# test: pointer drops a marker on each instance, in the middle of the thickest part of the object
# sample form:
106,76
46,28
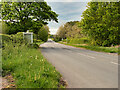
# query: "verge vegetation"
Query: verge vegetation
95,48
27,65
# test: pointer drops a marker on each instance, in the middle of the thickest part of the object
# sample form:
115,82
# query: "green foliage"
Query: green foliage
18,38
34,45
101,22
4,27
77,40
0,26
94,48
28,67
43,33
69,30
102,49
51,36
23,16
57,38
4,38
37,41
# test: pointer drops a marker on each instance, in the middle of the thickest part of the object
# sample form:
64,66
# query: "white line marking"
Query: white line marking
86,55
114,63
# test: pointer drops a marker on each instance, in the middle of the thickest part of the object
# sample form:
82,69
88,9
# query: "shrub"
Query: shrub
35,40
18,38
43,33
57,38
4,38
33,45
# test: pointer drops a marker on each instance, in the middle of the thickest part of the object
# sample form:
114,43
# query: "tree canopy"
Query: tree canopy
101,22
43,33
23,16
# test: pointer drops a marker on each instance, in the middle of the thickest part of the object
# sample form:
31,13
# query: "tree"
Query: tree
100,23
43,33
69,30
23,16
61,32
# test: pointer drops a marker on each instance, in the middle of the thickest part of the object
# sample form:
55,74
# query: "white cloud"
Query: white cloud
68,11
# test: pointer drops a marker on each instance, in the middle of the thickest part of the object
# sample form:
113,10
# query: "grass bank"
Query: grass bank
94,48
28,67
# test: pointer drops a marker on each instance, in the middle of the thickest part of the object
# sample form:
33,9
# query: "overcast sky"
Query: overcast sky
68,11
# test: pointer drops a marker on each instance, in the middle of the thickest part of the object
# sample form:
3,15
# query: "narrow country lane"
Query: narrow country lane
82,68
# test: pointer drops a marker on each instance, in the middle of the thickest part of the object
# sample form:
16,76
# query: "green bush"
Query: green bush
4,38
64,40
43,33
33,45
18,38
57,39
36,41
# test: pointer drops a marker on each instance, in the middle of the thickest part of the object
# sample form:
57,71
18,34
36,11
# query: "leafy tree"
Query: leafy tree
61,32
69,30
23,16
100,23
43,33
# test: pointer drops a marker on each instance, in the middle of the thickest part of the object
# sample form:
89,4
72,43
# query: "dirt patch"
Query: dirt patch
8,82
63,83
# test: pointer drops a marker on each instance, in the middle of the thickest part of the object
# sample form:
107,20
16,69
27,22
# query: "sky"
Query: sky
67,11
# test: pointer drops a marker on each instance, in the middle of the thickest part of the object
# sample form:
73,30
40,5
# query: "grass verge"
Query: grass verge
28,67
39,43
95,48
119,50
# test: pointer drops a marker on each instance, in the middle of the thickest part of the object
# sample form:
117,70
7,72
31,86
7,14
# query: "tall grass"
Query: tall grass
28,67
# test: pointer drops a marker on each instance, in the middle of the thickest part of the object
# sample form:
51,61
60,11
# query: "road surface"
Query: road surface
82,68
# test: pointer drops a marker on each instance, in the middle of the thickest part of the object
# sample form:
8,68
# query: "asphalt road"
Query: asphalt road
82,68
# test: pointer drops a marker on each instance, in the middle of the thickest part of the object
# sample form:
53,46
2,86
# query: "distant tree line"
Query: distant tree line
69,30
